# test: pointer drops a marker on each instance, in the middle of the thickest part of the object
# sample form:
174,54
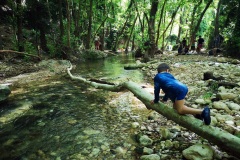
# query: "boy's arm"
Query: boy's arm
156,92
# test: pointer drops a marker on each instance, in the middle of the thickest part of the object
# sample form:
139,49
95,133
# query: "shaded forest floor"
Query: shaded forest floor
12,69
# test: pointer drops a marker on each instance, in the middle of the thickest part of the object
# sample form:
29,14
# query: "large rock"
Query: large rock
145,140
220,106
93,54
223,118
198,152
224,96
4,92
233,106
150,157
55,66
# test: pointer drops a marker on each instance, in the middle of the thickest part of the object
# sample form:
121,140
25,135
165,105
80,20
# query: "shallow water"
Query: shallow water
68,120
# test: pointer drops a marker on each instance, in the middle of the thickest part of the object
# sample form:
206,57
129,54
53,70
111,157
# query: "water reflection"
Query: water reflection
69,120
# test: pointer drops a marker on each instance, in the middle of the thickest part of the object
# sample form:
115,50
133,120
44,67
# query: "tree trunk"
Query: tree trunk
151,28
43,40
88,42
173,16
49,13
193,38
60,20
160,21
120,33
223,139
139,17
133,42
19,26
68,24
99,28
216,29
212,43
200,18
133,26
179,30
102,38
169,34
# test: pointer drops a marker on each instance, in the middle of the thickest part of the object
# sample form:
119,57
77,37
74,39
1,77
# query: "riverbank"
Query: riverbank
167,139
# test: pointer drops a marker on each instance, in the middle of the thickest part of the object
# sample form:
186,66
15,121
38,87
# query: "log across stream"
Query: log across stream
217,136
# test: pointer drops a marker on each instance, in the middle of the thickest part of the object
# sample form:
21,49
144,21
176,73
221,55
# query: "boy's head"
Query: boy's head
163,67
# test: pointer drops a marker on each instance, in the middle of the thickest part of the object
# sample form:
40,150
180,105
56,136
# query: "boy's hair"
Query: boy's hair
163,67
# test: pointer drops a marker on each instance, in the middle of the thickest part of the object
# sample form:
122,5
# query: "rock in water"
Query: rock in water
198,152
4,92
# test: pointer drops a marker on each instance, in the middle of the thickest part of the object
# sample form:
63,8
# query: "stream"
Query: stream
64,119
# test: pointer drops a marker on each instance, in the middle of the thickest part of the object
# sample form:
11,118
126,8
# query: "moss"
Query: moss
94,54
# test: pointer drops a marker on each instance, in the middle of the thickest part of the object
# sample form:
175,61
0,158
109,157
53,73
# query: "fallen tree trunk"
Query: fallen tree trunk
11,51
221,138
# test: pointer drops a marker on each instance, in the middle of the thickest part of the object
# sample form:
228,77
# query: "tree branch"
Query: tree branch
23,53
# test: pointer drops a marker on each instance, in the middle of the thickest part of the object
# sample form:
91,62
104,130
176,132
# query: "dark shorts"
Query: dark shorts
180,95
200,46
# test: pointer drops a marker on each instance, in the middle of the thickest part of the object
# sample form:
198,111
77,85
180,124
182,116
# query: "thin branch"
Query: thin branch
23,53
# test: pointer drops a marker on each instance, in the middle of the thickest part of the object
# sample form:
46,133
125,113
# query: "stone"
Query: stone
150,157
95,151
4,92
200,101
222,89
222,60
220,106
91,131
223,118
238,122
237,132
224,96
168,144
120,151
145,140
135,125
176,144
229,122
233,106
165,133
198,152
213,121
147,150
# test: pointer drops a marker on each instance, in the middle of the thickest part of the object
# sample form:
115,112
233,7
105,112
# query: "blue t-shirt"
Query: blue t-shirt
172,88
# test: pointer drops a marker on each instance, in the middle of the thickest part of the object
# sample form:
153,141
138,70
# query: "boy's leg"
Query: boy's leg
201,114
182,109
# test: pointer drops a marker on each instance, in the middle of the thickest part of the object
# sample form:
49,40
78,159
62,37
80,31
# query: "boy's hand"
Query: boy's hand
152,101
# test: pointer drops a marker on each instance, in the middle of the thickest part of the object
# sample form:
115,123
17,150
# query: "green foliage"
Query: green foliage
212,89
207,95
214,86
172,39
53,49
43,16
30,48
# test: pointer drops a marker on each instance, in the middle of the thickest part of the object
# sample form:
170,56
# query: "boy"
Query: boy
176,91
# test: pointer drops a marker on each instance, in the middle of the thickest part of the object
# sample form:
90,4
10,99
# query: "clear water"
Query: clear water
69,120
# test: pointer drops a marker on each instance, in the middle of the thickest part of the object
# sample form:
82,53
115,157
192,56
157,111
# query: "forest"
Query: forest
59,28
48,114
